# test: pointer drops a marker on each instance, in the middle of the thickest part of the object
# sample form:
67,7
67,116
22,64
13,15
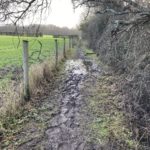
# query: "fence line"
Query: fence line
26,63
28,53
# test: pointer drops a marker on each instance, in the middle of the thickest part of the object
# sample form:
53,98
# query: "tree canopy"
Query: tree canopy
139,10
15,10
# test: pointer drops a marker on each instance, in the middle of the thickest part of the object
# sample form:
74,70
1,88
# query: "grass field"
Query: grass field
11,73
11,54
11,49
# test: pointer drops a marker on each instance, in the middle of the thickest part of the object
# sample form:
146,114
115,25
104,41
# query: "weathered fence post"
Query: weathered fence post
64,47
69,43
56,45
72,39
26,71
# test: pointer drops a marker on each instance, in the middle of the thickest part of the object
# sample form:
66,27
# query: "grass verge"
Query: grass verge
109,126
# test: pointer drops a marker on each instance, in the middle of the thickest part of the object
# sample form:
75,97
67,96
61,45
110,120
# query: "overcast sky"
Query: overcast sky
62,14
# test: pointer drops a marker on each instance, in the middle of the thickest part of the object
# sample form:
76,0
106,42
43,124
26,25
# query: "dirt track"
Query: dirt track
66,128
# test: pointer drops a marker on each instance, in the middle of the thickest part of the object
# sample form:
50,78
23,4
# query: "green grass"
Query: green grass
11,52
11,49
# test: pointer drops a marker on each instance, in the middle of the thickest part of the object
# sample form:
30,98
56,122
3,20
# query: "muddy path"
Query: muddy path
66,129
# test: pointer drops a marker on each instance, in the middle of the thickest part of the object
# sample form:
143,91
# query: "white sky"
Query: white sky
62,14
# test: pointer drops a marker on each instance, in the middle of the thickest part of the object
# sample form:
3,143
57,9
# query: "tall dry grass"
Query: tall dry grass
40,73
12,96
11,101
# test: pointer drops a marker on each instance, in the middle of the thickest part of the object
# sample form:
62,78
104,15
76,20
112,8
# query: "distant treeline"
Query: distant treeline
36,30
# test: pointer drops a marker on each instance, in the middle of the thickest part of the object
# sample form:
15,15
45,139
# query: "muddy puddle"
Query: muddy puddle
65,133
76,67
66,129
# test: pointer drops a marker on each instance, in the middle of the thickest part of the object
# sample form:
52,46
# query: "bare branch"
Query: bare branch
112,11
15,10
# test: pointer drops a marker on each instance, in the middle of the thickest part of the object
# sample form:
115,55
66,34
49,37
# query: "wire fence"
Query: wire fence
40,49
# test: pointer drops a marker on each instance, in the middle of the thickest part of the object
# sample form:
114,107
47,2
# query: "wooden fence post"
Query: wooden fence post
64,47
26,71
56,45
72,43
69,43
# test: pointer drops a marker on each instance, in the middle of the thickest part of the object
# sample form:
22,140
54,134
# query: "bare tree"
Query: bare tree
15,10
140,9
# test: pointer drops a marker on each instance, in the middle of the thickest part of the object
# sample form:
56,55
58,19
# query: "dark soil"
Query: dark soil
14,71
